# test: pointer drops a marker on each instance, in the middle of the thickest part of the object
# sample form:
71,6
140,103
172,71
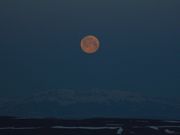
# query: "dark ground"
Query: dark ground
95,126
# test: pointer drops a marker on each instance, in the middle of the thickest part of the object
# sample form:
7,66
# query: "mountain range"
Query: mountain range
68,103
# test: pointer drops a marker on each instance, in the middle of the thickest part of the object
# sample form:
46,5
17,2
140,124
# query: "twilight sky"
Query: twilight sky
40,46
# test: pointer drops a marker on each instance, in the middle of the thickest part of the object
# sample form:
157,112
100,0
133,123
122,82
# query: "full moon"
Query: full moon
90,44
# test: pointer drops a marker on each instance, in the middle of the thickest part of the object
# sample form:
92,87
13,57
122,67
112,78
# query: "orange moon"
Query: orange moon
90,44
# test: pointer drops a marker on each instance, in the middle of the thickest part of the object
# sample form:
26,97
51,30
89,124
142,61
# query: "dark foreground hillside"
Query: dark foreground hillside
96,126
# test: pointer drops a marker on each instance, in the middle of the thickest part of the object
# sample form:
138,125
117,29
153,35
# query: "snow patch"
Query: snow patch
85,127
169,131
120,130
153,127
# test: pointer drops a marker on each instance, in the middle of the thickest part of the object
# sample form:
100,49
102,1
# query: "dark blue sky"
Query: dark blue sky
140,46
